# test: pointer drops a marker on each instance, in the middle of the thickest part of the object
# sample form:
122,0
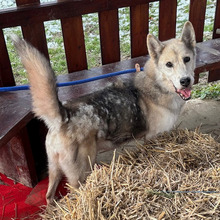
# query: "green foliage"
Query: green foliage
154,18
208,91
57,57
92,40
124,28
19,72
56,47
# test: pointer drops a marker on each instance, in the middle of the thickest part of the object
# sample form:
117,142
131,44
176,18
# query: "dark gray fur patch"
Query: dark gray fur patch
119,109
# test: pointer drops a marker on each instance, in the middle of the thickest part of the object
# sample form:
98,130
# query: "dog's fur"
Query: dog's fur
145,106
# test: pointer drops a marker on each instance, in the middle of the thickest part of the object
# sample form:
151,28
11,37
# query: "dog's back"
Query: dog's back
120,112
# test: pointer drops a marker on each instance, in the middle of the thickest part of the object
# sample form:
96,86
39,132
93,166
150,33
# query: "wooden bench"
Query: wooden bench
22,151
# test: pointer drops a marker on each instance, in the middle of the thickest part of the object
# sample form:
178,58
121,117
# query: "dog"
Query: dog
143,107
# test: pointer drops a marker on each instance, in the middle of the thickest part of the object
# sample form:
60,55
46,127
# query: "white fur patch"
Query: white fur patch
83,123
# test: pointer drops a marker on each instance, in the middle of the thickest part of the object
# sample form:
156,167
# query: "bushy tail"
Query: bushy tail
42,83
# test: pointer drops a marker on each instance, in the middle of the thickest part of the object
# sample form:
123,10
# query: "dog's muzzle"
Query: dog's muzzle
185,92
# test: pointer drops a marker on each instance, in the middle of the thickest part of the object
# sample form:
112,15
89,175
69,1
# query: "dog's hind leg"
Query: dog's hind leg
78,167
55,176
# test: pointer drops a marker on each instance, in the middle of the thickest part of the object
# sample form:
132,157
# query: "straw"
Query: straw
174,176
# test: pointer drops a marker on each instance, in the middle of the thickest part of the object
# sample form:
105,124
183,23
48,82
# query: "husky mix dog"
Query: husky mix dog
147,105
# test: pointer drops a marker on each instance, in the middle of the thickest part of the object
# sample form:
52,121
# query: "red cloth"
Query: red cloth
18,201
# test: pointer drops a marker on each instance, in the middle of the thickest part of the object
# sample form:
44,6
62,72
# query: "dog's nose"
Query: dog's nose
185,81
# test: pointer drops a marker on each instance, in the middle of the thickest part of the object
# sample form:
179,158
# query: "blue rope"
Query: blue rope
77,82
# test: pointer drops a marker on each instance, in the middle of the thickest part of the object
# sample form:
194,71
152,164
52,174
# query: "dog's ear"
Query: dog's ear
155,47
188,35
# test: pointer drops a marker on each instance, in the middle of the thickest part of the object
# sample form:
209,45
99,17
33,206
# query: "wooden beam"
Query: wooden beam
35,13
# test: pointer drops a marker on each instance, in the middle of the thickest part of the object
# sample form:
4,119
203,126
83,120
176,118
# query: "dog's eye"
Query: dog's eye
169,64
186,59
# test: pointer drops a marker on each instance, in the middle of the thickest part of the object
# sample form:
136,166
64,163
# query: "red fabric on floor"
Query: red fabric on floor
18,201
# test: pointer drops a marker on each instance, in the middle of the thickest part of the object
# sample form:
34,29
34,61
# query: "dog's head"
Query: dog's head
175,61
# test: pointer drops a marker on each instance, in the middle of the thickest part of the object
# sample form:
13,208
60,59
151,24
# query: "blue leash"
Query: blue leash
77,82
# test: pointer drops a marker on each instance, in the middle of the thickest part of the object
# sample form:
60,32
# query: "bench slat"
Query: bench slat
208,53
139,16
6,74
197,17
74,43
214,74
109,36
167,19
26,2
15,112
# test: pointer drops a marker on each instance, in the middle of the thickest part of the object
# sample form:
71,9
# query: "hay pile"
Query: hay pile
175,176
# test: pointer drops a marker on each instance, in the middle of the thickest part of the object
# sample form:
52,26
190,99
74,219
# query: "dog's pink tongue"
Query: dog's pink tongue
185,92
